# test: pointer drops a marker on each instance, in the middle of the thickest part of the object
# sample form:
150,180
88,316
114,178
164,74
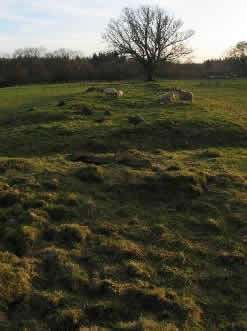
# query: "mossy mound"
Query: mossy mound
120,249
183,182
173,184
18,164
58,266
91,174
72,233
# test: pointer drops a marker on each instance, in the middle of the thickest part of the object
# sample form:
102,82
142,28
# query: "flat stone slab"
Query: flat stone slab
136,163
93,159
110,159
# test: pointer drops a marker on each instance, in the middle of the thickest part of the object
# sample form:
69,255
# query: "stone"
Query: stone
107,113
136,163
12,222
87,111
93,159
61,103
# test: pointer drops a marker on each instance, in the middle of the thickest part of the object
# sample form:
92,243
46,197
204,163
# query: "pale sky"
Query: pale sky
78,24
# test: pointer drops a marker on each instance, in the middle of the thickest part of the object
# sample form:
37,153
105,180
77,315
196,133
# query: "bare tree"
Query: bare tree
148,34
66,53
29,52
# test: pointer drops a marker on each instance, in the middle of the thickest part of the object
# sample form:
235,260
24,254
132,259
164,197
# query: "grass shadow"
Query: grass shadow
162,134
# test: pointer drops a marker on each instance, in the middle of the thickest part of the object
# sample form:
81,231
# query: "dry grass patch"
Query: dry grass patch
15,281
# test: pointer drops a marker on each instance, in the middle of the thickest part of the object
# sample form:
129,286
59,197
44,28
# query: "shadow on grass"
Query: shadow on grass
34,117
164,134
143,103
177,135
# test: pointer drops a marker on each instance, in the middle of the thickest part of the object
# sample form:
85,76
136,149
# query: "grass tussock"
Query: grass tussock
15,281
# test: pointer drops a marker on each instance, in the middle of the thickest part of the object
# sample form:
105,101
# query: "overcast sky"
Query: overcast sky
78,24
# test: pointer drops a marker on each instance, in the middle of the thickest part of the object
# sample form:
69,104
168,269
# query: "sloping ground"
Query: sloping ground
104,226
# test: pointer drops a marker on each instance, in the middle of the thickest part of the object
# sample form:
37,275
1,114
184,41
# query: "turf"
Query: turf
108,226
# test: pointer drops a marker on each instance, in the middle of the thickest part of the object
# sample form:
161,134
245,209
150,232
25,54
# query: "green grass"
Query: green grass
104,226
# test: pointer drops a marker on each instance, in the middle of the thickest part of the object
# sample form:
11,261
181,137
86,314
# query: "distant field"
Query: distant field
108,226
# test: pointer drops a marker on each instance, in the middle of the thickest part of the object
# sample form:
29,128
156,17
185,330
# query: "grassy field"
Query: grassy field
106,226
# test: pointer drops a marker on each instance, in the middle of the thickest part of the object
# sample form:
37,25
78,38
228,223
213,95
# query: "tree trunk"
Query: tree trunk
149,76
149,71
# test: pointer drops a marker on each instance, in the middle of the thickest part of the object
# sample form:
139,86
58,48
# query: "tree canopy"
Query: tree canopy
238,55
239,50
149,35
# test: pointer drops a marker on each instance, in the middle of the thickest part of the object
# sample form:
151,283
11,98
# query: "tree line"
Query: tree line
28,66
33,65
